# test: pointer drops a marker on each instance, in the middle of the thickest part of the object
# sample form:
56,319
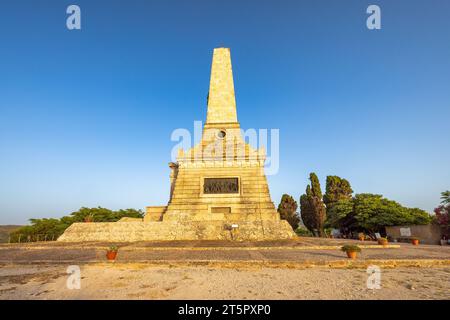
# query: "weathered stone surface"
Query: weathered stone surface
221,98
154,213
177,230
128,219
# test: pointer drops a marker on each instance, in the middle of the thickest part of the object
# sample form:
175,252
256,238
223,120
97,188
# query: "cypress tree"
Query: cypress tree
336,189
287,209
312,208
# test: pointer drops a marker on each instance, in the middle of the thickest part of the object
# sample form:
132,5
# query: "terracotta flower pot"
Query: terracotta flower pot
111,255
351,254
415,242
382,242
361,238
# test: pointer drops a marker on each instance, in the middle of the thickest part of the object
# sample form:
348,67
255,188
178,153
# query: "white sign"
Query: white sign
405,232
377,235
374,278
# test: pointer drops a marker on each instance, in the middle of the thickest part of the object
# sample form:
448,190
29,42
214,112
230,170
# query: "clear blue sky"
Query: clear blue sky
86,116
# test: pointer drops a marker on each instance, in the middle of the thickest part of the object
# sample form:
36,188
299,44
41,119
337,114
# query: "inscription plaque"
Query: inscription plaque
220,185
220,210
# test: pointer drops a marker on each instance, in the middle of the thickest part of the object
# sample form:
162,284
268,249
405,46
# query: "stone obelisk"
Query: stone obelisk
221,98
218,189
211,183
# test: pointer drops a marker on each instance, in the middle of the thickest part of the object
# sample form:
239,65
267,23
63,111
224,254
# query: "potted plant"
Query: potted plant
112,253
415,241
383,241
351,250
444,240
361,236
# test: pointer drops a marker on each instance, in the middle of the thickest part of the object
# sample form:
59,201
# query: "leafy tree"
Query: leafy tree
442,212
338,214
40,229
103,215
372,213
417,216
442,215
312,208
338,201
287,209
336,189
445,197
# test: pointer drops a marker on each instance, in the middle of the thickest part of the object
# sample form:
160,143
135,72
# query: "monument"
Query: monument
218,189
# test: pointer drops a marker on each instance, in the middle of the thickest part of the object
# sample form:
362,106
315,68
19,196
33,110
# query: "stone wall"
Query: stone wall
129,219
177,230
427,234
154,213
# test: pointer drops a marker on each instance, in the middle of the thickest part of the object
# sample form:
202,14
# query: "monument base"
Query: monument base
174,230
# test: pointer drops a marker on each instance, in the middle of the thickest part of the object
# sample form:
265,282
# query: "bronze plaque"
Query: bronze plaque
220,185
220,209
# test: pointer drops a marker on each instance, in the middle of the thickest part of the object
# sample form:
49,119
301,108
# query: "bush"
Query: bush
351,248
303,232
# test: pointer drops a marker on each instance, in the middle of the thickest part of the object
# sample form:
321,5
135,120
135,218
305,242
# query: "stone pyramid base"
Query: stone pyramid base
174,230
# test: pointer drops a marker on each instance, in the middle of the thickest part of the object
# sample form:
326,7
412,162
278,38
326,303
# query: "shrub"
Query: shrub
351,248
303,232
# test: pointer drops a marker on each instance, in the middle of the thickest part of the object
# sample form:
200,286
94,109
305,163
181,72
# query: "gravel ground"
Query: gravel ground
140,281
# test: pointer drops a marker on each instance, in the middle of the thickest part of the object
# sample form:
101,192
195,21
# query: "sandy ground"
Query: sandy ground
141,281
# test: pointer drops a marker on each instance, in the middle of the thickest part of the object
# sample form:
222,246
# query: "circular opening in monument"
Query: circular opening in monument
221,134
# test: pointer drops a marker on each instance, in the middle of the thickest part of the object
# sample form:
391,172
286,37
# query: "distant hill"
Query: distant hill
5,230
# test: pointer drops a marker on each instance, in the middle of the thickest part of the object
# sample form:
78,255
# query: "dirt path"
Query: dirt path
137,281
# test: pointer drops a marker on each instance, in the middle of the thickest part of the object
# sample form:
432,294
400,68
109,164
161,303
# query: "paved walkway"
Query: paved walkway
302,251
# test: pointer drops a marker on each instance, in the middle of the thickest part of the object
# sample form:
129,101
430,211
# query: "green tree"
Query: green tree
418,216
336,189
312,207
100,214
445,197
338,201
442,212
40,229
306,210
338,214
287,209
372,213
